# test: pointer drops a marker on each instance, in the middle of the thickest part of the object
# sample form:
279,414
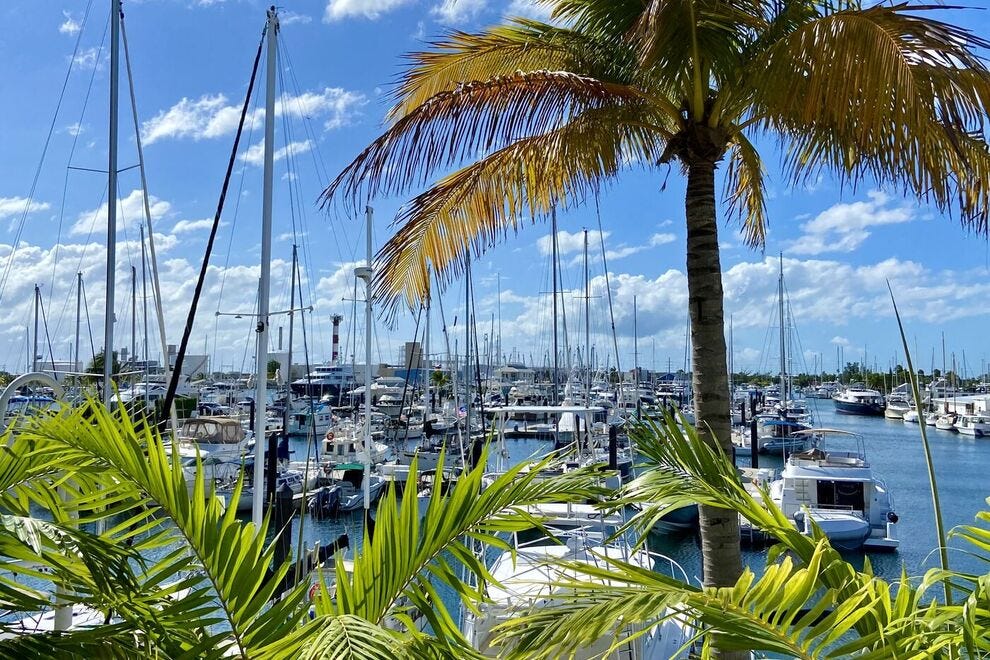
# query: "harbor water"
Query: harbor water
895,452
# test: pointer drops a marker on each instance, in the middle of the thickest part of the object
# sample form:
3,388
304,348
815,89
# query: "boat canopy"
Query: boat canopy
212,430
826,432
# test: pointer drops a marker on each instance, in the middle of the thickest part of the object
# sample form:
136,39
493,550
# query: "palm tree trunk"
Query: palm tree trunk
719,528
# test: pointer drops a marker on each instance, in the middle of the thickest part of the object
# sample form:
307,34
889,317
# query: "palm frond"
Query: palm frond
522,45
882,92
744,181
231,582
487,200
394,576
477,117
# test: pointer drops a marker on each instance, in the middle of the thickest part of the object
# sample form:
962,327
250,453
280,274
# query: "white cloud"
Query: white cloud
453,12
69,25
370,9
255,155
845,226
14,206
186,226
86,58
291,17
662,239
534,9
839,341
568,242
211,116
75,129
130,213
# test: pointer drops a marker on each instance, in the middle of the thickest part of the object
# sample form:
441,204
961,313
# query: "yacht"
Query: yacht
910,416
326,380
222,437
947,422
975,424
857,399
838,491
345,445
528,575
898,403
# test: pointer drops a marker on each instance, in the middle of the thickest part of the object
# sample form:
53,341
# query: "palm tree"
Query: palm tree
884,93
181,576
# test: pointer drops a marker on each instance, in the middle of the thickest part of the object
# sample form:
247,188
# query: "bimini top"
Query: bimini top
212,430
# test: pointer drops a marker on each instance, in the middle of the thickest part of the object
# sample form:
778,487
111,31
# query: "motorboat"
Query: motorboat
295,480
529,574
931,418
325,380
910,416
975,424
897,405
222,437
839,492
346,446
947,422
857,399
352,489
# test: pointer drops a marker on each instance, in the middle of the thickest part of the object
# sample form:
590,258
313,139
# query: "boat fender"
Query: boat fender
329,435
313,590
892,517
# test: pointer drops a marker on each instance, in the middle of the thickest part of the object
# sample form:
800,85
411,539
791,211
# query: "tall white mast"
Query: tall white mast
261,363
783,363
365,273
587,325
111,203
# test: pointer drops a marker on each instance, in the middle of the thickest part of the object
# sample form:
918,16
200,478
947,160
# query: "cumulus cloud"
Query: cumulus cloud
453,12
844,227
212,116
568,242
14,206
255,155
130,213
69,25
187,226
371,9
662,239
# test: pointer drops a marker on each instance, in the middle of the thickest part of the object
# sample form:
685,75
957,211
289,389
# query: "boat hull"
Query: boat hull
855,408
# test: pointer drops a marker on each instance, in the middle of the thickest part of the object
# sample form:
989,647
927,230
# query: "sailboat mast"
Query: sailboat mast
635,348
111,202
425,354
467,345
133,315
587,324
288,360
780,305
34,353
553,268
366,274
75,351
261,361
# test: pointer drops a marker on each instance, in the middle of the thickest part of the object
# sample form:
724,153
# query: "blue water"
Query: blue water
895,452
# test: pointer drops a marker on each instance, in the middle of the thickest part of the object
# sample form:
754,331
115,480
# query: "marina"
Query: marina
287,374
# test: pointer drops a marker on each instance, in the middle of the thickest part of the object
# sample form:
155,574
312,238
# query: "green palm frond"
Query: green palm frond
476,117
487,200
395,575
226,564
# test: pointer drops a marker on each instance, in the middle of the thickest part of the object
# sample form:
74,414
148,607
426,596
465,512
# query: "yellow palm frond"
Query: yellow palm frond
474,118
744,181
520,46
483,202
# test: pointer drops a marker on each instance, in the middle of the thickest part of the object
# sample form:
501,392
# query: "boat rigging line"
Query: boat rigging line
190,318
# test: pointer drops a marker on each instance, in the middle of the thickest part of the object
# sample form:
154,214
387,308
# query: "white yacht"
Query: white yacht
910,416
528,576
222,437
838,491
325,380
947,422
345,445
975,424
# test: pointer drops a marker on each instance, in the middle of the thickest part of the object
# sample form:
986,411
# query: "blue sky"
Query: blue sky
191,64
